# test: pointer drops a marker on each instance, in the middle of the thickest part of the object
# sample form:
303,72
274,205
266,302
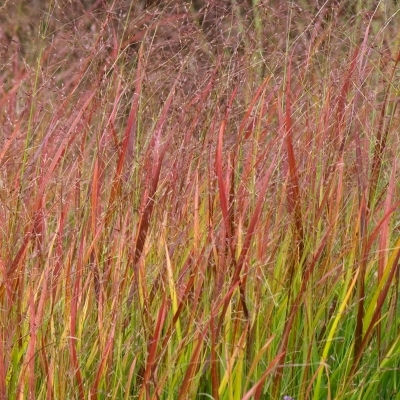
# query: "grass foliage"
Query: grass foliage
199,200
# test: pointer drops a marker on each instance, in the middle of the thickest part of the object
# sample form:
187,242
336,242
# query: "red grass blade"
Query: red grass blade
256,390
148,196
222,186
294,190
106,352
246,245
192,368
153,344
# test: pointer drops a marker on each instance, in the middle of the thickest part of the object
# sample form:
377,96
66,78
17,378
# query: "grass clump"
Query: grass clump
199,200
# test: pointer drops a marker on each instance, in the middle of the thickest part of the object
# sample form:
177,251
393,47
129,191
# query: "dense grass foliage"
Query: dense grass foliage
199,200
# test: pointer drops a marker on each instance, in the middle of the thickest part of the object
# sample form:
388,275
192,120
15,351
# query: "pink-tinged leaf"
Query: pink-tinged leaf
294,189
341,105
222,187
378,227
95,195
260,90
127,146
221,184
156,163
10,140
68,138
21,252
381,139
255,217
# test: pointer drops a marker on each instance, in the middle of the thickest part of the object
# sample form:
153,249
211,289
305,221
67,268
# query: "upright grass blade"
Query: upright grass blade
383,249
193,367
222,186
148,198
346,296
154,247
3,370
381,139
127,145
152,351
294,310
73,323
236,278
256,390
294,200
